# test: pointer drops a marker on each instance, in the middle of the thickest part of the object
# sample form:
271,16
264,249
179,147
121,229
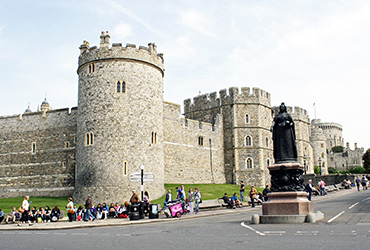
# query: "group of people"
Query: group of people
255,197
361,182
27,215
188,199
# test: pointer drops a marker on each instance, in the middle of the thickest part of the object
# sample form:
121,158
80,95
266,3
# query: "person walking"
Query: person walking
322,185
70,210
168,198
88,207
242,189
197,198
190,201
265,193
24,210
358,183
309,189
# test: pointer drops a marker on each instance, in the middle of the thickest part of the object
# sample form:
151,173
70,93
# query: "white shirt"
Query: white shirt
25,205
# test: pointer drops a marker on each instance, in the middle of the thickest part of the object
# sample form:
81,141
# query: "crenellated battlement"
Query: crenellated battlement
229,96
117,51
55,115
297,113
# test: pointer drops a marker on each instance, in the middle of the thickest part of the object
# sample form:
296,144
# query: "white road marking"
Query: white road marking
60,233
254,230
79,234
42,233
335,217
354,205
8,232
274,232
368,198
307,233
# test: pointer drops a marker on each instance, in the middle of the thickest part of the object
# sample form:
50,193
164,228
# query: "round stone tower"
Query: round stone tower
120,121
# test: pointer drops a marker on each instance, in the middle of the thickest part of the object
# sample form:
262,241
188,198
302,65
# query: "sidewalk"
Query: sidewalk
162,218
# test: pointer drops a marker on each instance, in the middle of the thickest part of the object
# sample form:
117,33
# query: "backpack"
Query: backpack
307,187
363,181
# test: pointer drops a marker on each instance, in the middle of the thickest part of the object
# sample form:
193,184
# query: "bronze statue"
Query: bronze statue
286,173
283,135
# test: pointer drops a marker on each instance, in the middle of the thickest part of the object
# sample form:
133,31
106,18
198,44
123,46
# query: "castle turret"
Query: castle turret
120,121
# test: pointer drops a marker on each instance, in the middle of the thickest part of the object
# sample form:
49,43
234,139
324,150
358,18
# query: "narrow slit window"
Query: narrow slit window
118,87
125,170
200,140
33,147
123,87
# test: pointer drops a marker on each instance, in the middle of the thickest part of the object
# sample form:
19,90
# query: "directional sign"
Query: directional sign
136,177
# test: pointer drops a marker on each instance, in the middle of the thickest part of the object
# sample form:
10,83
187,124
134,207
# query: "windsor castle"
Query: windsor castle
123,125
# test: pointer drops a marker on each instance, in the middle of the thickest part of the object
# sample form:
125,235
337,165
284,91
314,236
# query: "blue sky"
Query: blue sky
300,51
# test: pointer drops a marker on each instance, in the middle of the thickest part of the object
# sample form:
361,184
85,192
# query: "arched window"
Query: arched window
248,140
118,87
200,140
247,118
123,87
89,139
154,137
249,163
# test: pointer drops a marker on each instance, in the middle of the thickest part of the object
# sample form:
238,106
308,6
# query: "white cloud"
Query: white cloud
121,31
197,21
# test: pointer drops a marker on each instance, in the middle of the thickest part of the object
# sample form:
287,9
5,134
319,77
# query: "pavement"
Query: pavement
64,224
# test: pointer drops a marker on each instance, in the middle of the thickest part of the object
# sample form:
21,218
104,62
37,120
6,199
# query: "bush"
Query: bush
316,169
344,172
357,170
332,170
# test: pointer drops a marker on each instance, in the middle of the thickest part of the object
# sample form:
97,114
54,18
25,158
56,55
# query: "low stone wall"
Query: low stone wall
329,179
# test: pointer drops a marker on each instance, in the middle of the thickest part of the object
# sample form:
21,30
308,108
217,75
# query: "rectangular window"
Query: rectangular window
66,144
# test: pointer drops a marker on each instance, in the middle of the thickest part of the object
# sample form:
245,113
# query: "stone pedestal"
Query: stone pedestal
287,203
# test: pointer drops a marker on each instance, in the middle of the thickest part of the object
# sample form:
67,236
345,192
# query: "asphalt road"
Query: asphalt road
346,226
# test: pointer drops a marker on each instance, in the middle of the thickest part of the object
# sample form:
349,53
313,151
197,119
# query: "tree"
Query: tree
357,170
366,160
337,149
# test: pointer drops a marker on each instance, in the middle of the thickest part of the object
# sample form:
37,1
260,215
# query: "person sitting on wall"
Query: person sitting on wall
112,211
259,197
55,213
41,214
227,200
33,214
13,215
105,210
47,214
2,215
235,200
253,195
121,212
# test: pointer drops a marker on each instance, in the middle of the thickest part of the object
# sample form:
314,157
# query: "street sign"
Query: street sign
136,177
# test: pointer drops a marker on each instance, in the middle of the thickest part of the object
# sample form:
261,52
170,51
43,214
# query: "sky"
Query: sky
300,51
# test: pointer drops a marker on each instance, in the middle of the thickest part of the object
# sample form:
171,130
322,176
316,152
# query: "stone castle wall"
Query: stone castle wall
123,121
37,154
235,105
187,160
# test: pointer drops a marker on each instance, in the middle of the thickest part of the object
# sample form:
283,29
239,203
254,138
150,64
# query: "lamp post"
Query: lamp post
142,181
320,165
304,163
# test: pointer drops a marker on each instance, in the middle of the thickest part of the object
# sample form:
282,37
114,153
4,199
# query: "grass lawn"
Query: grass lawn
7,204
207,191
